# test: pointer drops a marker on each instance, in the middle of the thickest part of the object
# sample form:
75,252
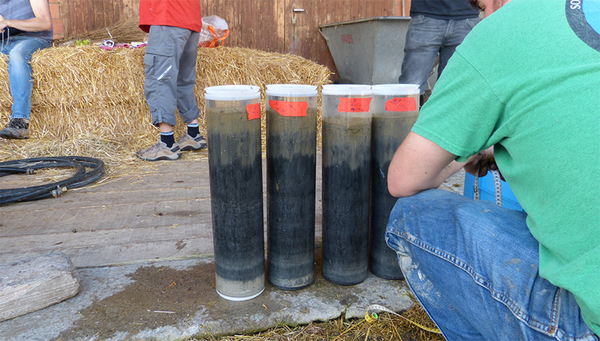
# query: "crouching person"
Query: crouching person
521,94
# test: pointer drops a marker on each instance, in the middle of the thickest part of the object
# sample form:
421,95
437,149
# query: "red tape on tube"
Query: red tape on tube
289,109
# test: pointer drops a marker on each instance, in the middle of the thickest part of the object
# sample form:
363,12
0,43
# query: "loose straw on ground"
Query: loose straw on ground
414,325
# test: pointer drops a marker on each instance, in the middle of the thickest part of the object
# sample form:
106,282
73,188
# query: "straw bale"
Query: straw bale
89,102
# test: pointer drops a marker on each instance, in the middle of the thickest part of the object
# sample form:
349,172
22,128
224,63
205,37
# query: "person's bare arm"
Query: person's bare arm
488,6
41,22
421,164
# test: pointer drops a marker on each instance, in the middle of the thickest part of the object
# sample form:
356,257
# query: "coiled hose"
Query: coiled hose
88,170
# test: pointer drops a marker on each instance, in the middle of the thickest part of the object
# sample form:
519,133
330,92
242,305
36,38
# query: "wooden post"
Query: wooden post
401,8
397,8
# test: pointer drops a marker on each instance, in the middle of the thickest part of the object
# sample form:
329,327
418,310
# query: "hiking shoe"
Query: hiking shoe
18,128
186,142
160,151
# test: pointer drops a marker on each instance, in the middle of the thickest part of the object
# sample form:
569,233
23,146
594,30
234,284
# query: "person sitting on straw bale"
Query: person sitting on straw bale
520,95
170,66
26,27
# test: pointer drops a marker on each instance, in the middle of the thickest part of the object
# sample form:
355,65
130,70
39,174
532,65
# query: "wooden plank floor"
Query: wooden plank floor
157,212
160,211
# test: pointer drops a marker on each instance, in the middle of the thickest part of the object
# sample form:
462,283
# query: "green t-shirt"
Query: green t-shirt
527,81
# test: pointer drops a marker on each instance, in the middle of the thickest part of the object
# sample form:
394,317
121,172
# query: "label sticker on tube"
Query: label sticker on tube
253,111
401,104
354,104
289,109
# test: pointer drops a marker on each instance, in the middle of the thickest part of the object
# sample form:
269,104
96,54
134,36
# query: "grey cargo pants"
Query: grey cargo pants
170,66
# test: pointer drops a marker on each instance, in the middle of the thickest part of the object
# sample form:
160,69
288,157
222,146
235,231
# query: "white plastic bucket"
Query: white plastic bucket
395,89
347,89
291,90
231,92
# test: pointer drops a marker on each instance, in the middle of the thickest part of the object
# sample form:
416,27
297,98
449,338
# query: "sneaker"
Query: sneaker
186,142
160,151
18,128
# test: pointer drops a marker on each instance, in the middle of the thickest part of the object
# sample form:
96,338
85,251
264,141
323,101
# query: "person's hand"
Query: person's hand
482,162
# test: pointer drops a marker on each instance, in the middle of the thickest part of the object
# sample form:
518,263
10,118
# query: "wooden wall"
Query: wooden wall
267,24
259,24
81,16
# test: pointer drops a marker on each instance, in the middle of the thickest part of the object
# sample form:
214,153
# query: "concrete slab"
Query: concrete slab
176,299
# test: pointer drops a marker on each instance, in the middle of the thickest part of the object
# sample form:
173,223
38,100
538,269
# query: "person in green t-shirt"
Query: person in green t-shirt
521,94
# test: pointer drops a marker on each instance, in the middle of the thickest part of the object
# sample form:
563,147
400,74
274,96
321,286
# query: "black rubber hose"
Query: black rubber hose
88,170
9,171
39,192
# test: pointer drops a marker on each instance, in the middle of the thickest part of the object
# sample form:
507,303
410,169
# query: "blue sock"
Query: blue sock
168,138
193,129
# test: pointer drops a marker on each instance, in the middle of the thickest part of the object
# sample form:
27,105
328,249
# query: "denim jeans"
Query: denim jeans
170,67
473,266
19,50
426,38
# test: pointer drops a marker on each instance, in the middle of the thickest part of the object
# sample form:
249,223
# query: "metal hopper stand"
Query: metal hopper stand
369,51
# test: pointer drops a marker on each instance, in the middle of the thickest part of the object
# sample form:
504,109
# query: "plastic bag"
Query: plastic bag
214,31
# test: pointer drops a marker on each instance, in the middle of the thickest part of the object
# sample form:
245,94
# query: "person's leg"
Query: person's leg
19,51
423,41
20,73
163,52
186,80
457,31
186,98
473,265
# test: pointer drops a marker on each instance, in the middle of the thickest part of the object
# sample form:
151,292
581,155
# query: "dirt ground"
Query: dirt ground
163,296
160,296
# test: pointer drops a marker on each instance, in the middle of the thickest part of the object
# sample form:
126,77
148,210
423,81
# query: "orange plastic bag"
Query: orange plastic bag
214,31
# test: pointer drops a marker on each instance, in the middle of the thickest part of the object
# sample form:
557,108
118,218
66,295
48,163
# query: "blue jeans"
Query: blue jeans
170,67
19,50
473,266
426,38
